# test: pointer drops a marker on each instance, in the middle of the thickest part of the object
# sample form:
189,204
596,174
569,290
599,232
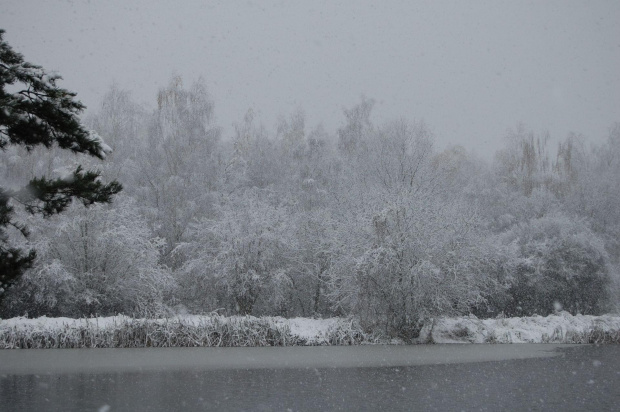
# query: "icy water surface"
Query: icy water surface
436,377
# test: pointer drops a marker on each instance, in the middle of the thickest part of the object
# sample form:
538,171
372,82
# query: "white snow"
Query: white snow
95,137
65,173
559,328
315,331
45,323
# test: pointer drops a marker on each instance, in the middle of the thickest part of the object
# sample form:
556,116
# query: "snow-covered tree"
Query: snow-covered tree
100,260
316,240
34,112
124,124
178,169
409,241
246,252
421,259
358,124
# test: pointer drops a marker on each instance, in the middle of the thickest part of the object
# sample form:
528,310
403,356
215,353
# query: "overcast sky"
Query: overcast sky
469,69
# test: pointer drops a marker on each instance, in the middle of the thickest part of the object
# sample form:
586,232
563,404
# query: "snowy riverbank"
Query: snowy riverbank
559,328
191,330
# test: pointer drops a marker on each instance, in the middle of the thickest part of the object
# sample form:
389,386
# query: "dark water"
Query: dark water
350,378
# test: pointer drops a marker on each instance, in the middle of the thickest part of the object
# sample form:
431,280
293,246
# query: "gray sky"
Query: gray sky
469,69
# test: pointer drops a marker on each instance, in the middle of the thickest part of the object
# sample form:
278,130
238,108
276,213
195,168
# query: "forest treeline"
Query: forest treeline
370,221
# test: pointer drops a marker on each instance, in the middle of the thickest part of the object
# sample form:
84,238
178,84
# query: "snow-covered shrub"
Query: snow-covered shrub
245,253
559,328
421,260
559,264
100,260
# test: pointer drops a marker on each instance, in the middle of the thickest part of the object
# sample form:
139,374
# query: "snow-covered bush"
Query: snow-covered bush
245,254
100,260
412,266
559,263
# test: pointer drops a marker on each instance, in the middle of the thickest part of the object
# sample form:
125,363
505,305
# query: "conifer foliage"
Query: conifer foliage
34,111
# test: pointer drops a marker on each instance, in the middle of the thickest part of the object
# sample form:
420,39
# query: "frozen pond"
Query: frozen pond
434,377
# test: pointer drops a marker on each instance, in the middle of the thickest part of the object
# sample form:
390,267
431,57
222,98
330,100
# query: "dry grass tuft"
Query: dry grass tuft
142,333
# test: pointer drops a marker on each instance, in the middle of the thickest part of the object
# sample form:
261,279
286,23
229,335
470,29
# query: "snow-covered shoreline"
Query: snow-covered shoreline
558,328
182,331
198,330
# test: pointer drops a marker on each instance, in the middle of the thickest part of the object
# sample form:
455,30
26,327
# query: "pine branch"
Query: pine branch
51,196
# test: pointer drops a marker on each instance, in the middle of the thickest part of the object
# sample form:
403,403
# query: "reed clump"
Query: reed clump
142,333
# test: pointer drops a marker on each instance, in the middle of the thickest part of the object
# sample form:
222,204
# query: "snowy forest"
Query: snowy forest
370,220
